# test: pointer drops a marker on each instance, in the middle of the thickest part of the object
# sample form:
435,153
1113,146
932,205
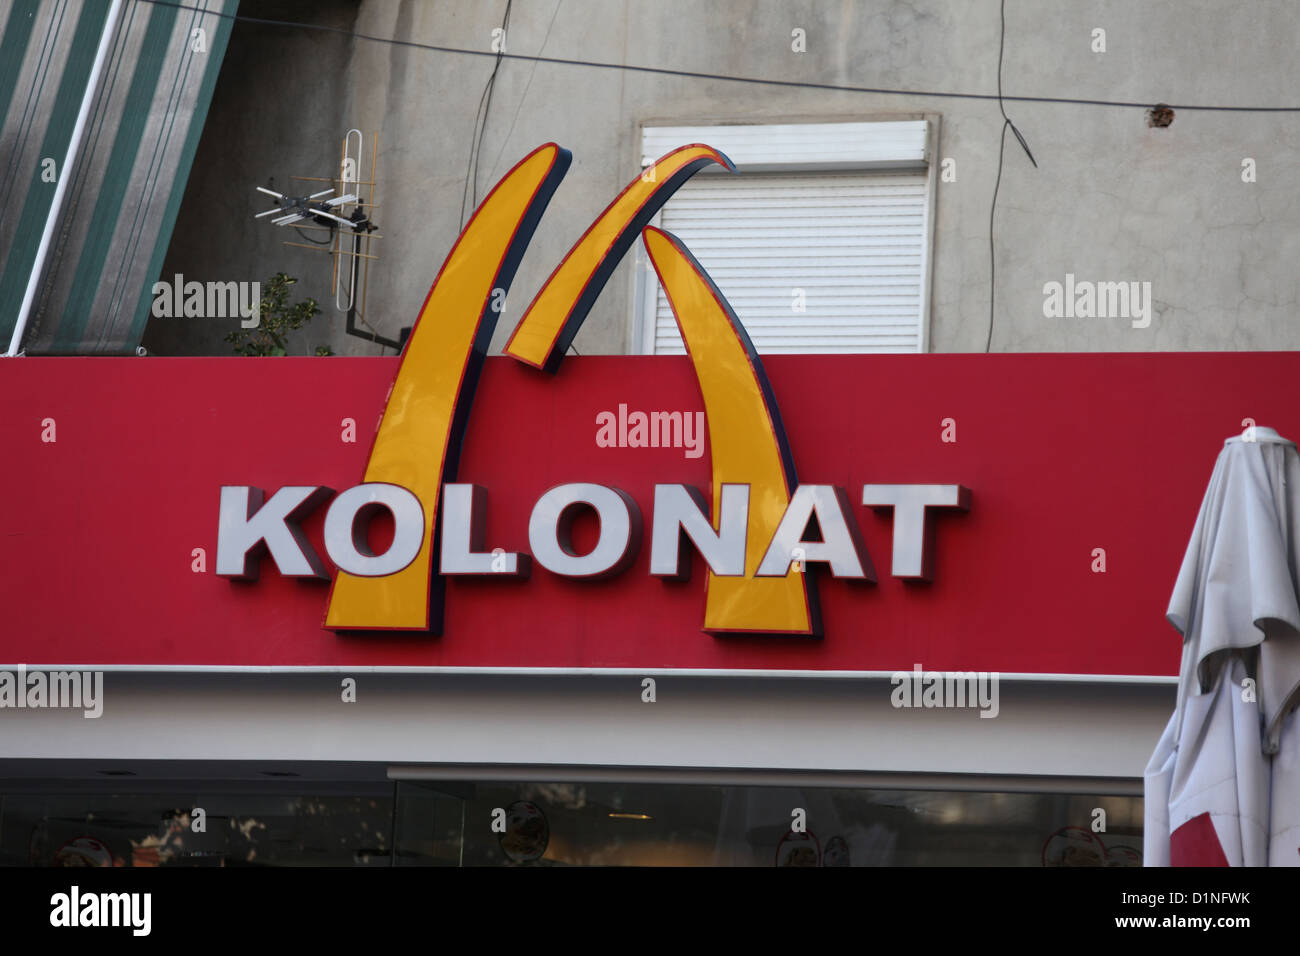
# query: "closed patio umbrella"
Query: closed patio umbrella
1223,786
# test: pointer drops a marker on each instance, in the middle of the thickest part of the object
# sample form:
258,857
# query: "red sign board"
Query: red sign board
1085,475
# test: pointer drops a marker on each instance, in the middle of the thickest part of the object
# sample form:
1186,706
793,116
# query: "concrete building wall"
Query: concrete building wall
275,114
1112,199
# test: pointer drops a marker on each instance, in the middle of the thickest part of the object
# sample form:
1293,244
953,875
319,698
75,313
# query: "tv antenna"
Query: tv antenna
342,213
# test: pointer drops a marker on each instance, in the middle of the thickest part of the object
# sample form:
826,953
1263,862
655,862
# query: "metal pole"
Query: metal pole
61,190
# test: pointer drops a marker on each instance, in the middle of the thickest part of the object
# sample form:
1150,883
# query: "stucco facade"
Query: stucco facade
1112,199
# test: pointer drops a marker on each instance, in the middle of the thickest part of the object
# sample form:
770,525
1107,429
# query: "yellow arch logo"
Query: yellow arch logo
418,442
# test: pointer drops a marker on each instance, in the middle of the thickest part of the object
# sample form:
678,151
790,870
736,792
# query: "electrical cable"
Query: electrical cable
505,140
480,128
700,75
316,242
492,85
1002,43
997,183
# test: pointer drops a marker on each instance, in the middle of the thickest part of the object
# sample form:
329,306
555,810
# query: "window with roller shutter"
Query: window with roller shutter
820,244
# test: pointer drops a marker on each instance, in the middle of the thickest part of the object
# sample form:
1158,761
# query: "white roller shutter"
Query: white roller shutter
773,147
853,242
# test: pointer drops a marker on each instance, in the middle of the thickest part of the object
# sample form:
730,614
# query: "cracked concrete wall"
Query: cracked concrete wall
1111,200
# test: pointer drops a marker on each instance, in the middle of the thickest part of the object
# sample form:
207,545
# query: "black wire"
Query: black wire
473,148
491,88
699,75
1002,42
505,140
997,183
480,129
322,242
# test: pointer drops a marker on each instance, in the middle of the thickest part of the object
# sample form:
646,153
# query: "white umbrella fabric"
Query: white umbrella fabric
1223,786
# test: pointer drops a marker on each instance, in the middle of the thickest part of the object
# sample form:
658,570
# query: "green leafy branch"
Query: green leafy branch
277,319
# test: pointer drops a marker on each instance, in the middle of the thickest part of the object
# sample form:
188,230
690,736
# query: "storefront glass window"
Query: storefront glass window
572,824
672,825
67,829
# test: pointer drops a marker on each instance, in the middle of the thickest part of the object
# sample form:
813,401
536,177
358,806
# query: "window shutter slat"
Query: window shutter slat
853,242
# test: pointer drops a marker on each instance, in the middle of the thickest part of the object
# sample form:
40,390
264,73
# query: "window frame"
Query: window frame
895,142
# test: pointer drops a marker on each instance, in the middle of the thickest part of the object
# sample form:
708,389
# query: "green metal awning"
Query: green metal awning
130,174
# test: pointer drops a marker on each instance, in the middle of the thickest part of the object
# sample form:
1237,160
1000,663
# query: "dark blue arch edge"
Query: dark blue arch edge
482,341
618,248
773,411
504,278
